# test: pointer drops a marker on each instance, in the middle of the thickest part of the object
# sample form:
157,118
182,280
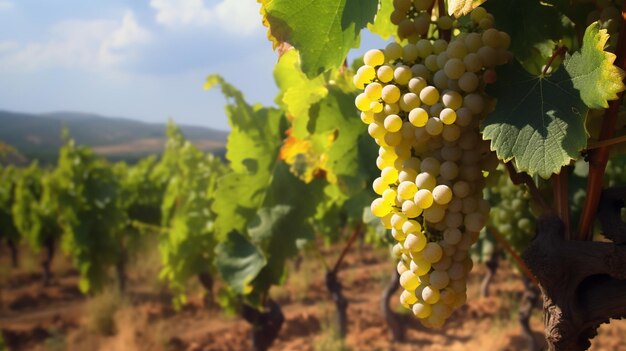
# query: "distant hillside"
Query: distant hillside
37,136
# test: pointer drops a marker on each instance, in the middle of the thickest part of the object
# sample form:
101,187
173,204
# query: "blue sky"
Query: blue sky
144,60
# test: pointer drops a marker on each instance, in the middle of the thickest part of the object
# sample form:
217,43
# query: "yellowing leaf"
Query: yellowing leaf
592,69
307,157
458,8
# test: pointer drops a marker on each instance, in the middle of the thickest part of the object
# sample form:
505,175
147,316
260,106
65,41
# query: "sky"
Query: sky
145,60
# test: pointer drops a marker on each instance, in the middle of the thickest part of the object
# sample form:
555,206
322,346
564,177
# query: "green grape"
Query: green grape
393,123
429,95
451,133
402,75
430,295
393,51
423,198
424,48
407,190
456,49
374,58
447,116
425,181
491,37
408,280
445,22
373,91
390,94
384,73
412,226
410,53
418,117
439,279
454,68
452,99
442,194
409,101
434,126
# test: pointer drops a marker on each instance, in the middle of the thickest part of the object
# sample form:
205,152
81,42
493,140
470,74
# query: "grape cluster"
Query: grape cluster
423,102
513,217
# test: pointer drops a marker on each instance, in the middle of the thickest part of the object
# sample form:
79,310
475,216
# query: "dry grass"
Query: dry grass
101,310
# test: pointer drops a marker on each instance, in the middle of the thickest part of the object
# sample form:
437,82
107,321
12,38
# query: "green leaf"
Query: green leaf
297,91
282,222
592,69
347,154
382,22
458,8
535,29
252,149
323,30
239,262
539,122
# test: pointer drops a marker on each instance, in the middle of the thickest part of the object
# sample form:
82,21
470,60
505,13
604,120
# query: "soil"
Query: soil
59,317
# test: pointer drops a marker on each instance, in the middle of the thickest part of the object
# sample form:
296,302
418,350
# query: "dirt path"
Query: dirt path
55,318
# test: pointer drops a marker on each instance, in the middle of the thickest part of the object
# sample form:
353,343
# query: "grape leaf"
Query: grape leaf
592,69
252,149
539,122
382,22
239,262
297,91
282,222
535,29
323,30
458,8
346,155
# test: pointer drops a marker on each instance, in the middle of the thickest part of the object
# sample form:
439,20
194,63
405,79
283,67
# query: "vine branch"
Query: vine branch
523,178
516,257
561,203
355,234
599,157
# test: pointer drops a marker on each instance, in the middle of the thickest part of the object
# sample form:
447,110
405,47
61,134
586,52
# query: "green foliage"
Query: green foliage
539,122
239,262
8,180
252,149
90,213
382,23
323,31
188,244
297,92
34,209
592,70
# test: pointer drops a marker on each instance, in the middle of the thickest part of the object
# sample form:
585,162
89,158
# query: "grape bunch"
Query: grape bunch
423,102
514,216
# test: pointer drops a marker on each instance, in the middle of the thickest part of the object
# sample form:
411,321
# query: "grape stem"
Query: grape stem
598,157
558,51
516,257
607,142
523,178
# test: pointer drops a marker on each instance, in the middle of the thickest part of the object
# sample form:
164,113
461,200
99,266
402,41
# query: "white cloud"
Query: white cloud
72,43
235,16
115,47
8,46
6,5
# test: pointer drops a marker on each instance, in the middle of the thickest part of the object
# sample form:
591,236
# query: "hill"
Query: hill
38,136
